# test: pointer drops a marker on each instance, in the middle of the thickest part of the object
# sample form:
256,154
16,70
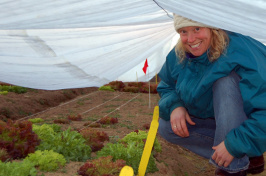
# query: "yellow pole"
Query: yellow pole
149,142
126,171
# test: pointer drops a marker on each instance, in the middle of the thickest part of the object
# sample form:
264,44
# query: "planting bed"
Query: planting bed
133,111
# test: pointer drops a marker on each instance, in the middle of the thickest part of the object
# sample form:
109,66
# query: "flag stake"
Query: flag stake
144,70
137,76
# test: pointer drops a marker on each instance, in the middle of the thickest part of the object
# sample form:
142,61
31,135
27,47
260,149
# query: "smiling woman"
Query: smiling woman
206,102
196,40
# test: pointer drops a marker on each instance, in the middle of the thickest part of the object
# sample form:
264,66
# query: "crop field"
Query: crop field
106,120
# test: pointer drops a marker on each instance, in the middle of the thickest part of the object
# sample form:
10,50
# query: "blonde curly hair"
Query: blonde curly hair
219,42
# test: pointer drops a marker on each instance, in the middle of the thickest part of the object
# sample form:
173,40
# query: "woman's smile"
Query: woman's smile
196,40
196,45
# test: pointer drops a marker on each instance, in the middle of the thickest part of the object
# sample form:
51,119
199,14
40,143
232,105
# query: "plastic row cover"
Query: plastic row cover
72,44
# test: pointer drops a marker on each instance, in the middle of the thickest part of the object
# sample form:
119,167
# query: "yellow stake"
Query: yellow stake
149,142
126,171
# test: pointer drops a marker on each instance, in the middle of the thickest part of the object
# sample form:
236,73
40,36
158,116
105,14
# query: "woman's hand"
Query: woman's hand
221,156
178,119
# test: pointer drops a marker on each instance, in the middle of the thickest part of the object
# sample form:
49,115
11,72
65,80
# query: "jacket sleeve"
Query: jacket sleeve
166,88
250,137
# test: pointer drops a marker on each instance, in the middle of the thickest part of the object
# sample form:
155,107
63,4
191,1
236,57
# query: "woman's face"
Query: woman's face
196,40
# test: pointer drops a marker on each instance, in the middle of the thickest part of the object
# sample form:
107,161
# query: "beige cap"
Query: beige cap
180,22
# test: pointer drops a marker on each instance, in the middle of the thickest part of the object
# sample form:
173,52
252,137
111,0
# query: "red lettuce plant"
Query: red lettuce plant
136,84
146,126
116,85
94,138
92,124
74,117
62,121
18,138
103,166
145,88
108,120
131,89
3,155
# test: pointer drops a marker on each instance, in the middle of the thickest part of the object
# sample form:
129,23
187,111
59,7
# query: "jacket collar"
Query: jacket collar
203,59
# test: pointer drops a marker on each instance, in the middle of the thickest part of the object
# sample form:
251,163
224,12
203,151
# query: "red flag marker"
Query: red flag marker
145,66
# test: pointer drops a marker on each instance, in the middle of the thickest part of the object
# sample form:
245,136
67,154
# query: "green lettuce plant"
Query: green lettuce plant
46,160
140,137
107,88
24,168
69,143
130,149
36,120
3,92
16,89
131,153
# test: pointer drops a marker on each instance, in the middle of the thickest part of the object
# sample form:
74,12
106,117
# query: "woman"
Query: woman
213,94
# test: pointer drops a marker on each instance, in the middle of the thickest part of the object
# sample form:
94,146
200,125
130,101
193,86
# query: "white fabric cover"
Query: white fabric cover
73,43
243,16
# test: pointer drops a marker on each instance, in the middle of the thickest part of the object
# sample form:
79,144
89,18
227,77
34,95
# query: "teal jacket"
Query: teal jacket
189,84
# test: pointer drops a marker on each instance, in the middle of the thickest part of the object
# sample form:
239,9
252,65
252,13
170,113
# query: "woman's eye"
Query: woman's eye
197,29
182,32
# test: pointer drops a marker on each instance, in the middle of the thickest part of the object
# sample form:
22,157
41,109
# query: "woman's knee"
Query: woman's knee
227,101
227,83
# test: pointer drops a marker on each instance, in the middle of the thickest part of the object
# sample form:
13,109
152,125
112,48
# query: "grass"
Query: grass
131,115
80,102
21,112
70,111
128,121
120,99
6,112
115,115
108,111
137,100
42,101
127,126
93,117
149,114
10,100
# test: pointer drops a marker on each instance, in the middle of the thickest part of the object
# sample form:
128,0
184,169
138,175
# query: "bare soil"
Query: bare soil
133,111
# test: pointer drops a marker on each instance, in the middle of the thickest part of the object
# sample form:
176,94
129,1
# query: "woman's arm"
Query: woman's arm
166,88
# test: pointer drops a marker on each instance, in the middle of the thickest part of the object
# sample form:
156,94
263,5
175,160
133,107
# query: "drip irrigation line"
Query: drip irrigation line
56,106
110,112
101,104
